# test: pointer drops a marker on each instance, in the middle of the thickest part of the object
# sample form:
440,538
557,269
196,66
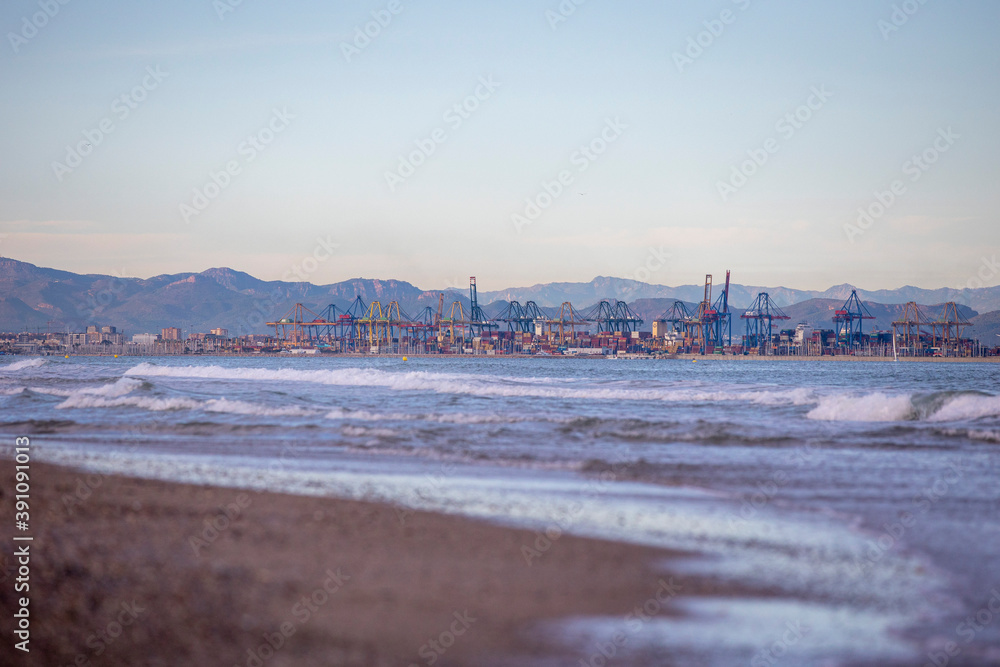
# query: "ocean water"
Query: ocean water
854,506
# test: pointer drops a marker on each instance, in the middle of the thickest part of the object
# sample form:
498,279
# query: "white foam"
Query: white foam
880,407
365,415
877,407
464,418
359,431
119,394
805,556
145,402
720,631
244,408
49,391
21,365
12,391
983,435
967,406
488,386
120,387
444,418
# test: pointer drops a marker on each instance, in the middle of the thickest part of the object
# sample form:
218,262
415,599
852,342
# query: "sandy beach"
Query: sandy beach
331,513
136,572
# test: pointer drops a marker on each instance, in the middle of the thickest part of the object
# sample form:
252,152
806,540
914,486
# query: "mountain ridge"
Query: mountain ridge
34,297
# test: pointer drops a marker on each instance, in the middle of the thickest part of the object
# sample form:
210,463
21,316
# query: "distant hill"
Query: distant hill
653,309
985,327
818,313
740,296
38,298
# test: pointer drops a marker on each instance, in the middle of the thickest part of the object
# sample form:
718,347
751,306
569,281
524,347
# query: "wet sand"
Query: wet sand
132,572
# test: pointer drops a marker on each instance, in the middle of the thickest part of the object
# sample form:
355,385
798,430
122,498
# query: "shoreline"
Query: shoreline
211,573
592,357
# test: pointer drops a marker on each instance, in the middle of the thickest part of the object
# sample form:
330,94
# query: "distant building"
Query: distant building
171,333
659,328
220,332
113,338
145,338
803,333
109,330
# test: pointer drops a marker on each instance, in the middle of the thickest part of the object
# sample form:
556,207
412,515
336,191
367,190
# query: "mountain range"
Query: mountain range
39,299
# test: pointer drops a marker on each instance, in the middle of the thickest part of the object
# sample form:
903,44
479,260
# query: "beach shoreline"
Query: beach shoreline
210,575
592,357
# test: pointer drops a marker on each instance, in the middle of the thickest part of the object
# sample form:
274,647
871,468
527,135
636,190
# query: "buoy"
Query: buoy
67,356
694,361
405,359
116,356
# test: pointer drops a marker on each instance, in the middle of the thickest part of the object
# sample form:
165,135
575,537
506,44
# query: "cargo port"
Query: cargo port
610,328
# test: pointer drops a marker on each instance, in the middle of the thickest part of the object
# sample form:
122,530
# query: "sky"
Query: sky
799,144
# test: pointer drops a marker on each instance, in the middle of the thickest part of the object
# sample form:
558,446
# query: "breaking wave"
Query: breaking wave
120,394
244,408
21,365
486,386
983,435
444,418
942,406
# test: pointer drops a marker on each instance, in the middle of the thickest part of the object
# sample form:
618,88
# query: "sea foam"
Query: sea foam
21,365
486,386
945,406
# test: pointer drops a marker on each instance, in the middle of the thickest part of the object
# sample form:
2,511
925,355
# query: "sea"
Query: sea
848,512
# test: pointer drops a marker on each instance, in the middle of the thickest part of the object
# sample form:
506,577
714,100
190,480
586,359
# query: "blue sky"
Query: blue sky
660,181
